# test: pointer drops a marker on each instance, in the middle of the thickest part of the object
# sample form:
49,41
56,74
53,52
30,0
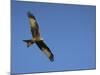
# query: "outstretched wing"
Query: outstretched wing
45,49
33,25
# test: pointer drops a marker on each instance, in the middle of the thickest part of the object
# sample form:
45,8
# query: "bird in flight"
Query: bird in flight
36,38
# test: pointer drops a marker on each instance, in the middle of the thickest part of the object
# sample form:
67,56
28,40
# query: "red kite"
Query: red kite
36,38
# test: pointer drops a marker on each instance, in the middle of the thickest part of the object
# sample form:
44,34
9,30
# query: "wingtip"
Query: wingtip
51,58
30,15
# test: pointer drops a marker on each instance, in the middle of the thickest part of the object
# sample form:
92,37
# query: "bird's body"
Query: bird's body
36,38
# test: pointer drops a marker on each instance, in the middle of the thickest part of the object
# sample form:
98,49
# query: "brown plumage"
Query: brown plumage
36,38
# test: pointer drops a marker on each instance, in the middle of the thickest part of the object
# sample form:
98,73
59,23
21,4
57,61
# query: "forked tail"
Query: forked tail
29,42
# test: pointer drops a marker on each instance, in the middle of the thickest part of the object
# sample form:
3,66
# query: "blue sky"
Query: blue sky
68,30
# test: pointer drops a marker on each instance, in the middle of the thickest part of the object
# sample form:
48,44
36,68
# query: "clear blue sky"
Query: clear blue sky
68,30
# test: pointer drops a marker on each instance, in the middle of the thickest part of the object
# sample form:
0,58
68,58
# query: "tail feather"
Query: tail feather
29,42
